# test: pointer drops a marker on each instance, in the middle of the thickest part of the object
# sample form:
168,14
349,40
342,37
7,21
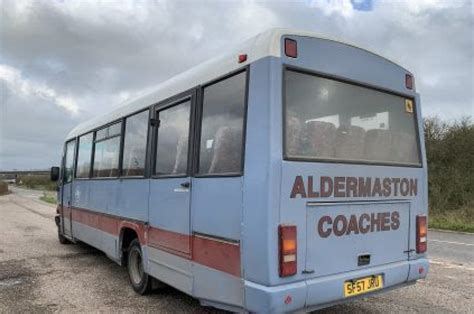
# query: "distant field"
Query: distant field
37,182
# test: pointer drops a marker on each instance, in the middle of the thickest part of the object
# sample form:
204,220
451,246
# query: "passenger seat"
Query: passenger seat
404,148
294,136
349,142
378,144
320,137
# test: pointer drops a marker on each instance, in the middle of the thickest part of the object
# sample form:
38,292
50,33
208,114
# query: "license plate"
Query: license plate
362,285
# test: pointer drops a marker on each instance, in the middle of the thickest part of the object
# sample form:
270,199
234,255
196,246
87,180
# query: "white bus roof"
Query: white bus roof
264,44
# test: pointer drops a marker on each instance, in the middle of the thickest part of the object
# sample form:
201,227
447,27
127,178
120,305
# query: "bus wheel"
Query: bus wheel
139,279
63,239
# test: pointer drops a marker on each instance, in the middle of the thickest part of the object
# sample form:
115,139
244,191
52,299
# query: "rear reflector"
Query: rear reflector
287,250
421,234
291,49
408,81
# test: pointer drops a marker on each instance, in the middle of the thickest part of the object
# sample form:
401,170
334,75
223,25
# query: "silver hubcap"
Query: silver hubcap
135,266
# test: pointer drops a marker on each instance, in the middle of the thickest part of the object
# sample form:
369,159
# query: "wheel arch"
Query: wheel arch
128,232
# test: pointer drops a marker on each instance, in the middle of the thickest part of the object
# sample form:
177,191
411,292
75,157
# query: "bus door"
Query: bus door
170,195
66,190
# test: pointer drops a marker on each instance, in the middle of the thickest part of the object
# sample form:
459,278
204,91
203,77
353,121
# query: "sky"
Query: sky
63,62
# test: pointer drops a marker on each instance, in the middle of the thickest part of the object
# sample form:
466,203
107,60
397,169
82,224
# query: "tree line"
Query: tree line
450,155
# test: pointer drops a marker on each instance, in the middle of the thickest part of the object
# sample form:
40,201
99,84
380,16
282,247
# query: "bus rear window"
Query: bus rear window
331,120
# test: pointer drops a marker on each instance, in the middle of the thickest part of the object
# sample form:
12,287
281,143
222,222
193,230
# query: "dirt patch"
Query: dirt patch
30,229
13,269
32,210
17,288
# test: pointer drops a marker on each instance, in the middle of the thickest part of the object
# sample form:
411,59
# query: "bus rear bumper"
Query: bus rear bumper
326,291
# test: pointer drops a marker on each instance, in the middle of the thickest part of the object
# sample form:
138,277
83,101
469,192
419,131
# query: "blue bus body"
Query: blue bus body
216,237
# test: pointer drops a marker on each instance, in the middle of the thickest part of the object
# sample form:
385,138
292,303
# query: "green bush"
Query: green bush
3,188
37,182
450,154
48,198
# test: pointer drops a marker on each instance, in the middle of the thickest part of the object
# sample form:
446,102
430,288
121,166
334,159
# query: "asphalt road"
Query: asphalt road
37,274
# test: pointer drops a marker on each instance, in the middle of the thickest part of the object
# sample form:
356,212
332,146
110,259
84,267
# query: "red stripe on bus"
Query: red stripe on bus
168,240
97,220
219,255
216,254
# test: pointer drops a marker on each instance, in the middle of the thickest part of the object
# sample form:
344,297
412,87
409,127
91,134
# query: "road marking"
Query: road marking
451,242
451,265
450,231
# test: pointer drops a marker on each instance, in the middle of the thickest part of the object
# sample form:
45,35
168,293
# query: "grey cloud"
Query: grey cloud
97,54
436,44
32,131
113,53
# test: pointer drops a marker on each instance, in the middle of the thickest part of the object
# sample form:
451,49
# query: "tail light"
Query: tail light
291,49
287,248
421,234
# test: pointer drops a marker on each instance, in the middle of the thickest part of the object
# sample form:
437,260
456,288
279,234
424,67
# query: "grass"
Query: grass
48,198
455,220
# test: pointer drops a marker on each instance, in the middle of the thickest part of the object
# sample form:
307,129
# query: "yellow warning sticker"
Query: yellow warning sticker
409,105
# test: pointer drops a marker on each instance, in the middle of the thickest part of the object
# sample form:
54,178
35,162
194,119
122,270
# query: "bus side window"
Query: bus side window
173,139
107,151
134,146
69,162
84,156
222,125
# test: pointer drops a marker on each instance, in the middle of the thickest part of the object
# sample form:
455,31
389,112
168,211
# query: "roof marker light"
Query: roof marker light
291,48
408,81
242,58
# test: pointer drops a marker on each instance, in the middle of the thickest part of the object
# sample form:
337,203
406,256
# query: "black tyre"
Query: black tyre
62,238
139,279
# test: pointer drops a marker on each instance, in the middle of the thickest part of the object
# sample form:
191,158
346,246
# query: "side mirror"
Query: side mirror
54,175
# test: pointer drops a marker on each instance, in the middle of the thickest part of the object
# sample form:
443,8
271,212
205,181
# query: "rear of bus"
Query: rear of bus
347,195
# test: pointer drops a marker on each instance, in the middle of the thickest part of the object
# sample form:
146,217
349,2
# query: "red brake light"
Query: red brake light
421,234
291,49
287,250
409,81
242,58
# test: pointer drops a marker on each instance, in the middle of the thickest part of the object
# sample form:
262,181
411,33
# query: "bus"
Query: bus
287,174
